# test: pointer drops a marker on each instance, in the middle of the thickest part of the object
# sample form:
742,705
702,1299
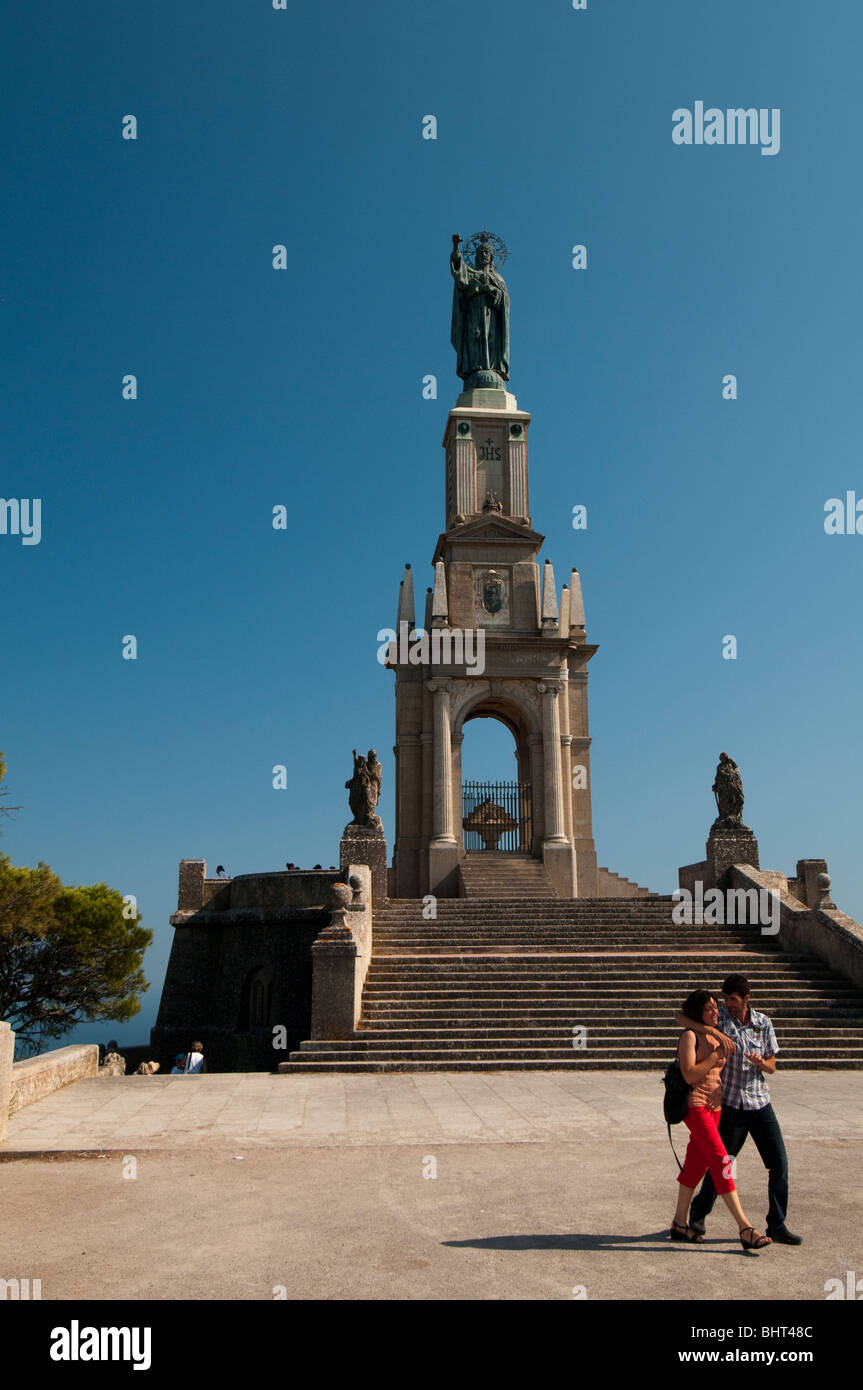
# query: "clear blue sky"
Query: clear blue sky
303,387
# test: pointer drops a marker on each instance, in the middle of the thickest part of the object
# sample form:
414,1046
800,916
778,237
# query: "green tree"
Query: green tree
66,954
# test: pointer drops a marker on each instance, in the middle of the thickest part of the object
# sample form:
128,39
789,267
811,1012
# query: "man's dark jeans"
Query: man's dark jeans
734,1126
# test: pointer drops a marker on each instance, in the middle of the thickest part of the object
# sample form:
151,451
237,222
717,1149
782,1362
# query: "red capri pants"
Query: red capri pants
705,1150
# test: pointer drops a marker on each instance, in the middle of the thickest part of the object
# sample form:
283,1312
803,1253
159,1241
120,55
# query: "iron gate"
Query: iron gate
497,816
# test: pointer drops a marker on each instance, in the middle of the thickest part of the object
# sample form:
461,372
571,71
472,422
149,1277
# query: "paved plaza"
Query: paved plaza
545,1184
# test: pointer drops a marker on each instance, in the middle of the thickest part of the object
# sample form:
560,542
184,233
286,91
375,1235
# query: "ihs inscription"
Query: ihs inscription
489,451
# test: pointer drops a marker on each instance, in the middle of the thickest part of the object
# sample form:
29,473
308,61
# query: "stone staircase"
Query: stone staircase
504,876
506,985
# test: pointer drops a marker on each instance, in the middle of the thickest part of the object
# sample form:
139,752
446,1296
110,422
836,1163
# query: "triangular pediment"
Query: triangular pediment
491,527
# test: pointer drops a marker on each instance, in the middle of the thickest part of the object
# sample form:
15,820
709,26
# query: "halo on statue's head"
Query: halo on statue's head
473,243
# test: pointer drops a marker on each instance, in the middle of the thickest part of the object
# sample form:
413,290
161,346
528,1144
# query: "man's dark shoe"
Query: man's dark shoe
782,1236
697,1226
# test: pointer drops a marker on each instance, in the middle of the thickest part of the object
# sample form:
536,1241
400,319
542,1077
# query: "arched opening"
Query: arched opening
489,750
256,1001
496,792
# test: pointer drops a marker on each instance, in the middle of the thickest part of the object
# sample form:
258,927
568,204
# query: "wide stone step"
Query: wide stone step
504,1024
641,985
655,951
602,990
676,972
299,1062
709,950
649,1031
568,967
730,938
506,927
576,906
527,1033
545,1047
448,931
562,1007
554,909
558,909
611,938
564,1019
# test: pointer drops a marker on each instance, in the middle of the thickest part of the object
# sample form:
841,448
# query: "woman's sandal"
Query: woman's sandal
681,1232
757,1243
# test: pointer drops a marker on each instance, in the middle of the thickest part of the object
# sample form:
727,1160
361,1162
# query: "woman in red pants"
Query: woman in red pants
702,1058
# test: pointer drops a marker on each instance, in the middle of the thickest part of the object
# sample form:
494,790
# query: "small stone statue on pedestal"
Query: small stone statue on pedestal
730,841
364,789
363,839
728,790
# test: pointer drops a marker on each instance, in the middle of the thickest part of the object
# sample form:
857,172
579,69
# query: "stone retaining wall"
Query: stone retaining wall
36,1077
826,933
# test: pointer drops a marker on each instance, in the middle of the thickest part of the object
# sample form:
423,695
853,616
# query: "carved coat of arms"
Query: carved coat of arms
492,593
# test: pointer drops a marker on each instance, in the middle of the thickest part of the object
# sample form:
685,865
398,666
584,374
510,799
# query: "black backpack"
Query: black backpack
675,1102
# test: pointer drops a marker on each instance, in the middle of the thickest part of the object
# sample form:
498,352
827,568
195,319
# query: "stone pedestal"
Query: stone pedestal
334,957
366,844
559,861
443,868
727,846
808,872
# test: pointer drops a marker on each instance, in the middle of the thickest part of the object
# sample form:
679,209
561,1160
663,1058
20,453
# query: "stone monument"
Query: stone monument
729,840
363,841
488,584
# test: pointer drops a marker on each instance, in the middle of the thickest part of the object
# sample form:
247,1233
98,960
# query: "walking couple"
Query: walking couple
724,1053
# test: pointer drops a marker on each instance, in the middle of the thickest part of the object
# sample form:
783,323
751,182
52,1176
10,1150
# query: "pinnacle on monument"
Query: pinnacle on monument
576,603
564,611
440,608
406,600
428,613
549,597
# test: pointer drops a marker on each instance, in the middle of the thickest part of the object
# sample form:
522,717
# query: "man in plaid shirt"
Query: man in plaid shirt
746,1107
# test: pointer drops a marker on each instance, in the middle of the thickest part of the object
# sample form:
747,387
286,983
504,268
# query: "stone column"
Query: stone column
456,740
537,784
554,823
409,815
566,743
522,760
442,815
557,851
444,848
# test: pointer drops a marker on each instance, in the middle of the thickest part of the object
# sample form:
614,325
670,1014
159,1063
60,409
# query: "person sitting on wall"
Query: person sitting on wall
179,1061
193,1062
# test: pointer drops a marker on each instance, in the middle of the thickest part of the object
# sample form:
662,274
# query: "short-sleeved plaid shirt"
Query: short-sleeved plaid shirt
743,1085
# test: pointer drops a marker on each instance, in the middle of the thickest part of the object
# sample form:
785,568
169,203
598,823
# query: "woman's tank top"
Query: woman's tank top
707,1094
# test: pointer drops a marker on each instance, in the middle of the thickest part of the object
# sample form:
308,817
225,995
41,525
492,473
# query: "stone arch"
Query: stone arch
516,707
256,1000
512,704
